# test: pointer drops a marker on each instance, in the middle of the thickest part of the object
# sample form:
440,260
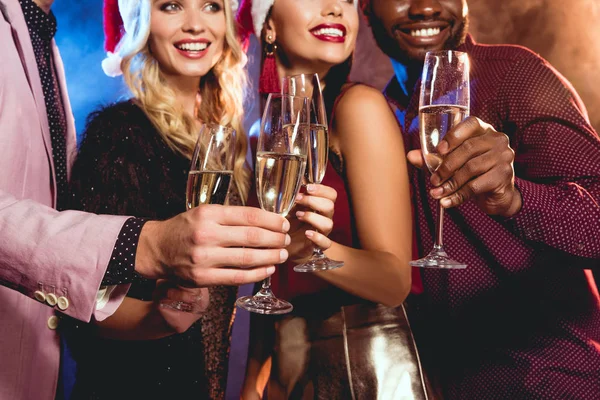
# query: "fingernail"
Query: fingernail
270,270
286,226
311,188
299,197
437,192
309,234
446,202
300,214
283,255
435,180
288,239
442,147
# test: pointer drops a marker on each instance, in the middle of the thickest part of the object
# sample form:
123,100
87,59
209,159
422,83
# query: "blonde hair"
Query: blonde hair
222,90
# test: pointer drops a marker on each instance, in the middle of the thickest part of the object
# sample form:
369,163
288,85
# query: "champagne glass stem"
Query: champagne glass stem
265,289
439,228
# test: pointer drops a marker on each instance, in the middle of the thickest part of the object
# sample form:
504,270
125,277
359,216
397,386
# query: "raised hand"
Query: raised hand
311,222
478,165
177,320
214,245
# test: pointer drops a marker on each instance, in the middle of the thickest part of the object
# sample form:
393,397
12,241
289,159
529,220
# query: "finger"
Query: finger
320,240
249,236
322,191
232,276
237,257
318,204
468,171
319,222
469,149
482,184
244,216
187,295
415,157
470,127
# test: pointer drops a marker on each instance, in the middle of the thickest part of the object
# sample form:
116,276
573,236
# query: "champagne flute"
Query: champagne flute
280,163
443,104
210,175
309,86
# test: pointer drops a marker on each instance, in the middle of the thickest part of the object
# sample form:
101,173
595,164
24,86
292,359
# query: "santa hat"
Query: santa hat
114,31
251,18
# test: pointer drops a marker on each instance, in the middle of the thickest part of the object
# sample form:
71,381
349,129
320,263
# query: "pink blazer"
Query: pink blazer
42,251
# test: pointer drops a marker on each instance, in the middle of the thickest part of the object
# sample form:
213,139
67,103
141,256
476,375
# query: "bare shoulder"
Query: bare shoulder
363,108
360,98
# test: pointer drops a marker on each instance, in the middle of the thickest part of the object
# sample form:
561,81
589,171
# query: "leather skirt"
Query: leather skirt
361,351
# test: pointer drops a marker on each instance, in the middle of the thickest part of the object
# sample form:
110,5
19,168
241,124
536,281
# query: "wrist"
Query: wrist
516,204
148,262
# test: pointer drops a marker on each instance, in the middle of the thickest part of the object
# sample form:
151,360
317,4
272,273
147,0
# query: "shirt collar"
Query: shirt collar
38,21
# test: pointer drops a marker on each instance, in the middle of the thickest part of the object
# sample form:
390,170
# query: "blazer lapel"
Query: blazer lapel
71,134
14,15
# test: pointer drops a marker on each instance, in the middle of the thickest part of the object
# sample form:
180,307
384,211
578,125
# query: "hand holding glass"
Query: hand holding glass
444,103
309,86
210,174
280,164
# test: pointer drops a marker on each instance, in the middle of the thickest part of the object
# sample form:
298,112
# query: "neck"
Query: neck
44,4
186,90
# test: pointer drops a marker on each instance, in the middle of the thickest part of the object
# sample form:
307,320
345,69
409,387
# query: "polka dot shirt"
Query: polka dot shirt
42,28
522,321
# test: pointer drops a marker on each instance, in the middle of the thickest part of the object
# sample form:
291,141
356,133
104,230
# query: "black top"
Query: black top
124,167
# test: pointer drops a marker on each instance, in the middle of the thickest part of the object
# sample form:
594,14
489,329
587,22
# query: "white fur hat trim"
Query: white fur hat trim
260,9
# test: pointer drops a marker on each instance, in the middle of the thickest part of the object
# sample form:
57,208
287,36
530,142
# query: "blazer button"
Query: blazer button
63,303
53,322
51,299
39,296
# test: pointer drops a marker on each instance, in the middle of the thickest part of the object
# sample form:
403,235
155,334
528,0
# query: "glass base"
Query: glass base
194,308
437,258
318,262
264,304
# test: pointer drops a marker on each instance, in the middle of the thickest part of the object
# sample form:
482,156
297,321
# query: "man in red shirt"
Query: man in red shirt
521,185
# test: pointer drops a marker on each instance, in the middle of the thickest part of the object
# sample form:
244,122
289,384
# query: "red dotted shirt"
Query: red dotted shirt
523,320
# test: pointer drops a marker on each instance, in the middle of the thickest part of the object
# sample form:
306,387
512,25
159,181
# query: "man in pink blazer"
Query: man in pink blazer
54,262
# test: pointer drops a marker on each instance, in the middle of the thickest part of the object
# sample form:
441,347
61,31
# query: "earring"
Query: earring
269,80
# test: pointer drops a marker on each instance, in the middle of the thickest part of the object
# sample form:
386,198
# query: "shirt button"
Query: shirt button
53,322
63,303
39,296
51,299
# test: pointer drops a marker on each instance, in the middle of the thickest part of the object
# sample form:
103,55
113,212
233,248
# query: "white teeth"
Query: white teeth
425,32
192,46
329,32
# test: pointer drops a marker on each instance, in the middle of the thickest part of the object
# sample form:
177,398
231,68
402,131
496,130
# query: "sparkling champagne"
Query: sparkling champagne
317,153
278,179
207,187
434,123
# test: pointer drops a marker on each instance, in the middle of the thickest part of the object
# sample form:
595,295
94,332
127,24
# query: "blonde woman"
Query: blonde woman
184,66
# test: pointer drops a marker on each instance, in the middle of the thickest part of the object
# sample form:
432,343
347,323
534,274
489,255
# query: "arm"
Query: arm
118,172
67,250
368,135
546,188
147,320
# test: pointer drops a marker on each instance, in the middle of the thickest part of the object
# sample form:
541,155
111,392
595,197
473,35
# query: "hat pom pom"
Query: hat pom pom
111,65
